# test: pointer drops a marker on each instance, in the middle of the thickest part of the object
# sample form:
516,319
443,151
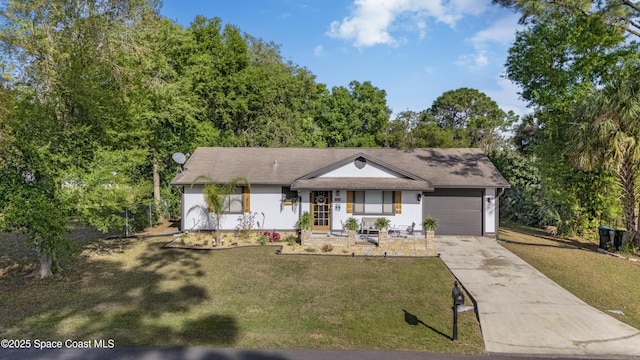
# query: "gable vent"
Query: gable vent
360,162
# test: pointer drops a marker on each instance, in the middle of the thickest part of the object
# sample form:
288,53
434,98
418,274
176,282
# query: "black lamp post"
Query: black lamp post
458,299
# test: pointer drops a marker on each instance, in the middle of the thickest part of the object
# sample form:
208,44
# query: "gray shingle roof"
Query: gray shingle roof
458,167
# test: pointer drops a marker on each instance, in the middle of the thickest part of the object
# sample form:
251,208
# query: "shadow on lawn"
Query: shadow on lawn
109,299
413,320
509,233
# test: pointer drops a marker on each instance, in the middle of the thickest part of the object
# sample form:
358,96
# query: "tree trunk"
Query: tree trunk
156,180
218,235
156,189
45,263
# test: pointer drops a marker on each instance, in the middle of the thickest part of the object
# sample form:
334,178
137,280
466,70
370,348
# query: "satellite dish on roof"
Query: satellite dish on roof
179,157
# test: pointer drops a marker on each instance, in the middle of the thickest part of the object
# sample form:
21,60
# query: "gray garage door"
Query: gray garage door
459,211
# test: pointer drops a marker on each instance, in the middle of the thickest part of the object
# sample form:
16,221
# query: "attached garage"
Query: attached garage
458,211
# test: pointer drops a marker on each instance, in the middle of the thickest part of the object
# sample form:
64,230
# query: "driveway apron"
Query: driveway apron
522,311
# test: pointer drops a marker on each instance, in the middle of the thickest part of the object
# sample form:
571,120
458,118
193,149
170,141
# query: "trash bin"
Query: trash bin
617,239
605,236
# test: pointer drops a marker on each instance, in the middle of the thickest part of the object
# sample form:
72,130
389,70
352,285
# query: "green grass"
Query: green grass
141,295
602,281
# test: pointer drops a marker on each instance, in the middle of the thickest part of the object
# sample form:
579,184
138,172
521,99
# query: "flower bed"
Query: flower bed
289,244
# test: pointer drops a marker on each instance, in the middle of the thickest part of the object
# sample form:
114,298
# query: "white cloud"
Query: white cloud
372,21
502,32
474,61
422,28
318,50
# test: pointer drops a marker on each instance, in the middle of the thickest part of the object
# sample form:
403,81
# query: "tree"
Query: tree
399,132
109,186
218,198
31,205
428,133
524,201
606,133
555,61
354,116
67,65
163,105
36,212
524,136
620,14
248,94
282,101
472,118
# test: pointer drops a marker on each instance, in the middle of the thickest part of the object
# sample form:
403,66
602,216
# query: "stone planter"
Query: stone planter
383,238
351,237
305,237
429,235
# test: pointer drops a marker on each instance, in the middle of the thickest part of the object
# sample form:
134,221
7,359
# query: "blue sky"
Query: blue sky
413,49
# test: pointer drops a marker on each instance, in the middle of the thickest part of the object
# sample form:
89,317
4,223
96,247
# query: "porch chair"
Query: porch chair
344,227
407,230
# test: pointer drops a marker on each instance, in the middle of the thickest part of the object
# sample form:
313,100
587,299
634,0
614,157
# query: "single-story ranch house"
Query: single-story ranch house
458,187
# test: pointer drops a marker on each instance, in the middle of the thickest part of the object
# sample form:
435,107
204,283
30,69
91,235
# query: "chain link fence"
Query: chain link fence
147,215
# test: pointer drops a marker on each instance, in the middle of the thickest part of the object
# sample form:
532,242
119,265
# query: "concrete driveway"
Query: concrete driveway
523,312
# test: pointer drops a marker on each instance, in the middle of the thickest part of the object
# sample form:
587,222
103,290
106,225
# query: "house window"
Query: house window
373,202
235,202
289,196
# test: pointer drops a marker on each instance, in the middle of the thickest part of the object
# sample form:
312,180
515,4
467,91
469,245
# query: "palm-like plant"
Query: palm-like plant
606,134
352,224
382,223
429,223
304,223
218,197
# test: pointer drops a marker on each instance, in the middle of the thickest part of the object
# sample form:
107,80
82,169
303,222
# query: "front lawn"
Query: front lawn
139,294
602,281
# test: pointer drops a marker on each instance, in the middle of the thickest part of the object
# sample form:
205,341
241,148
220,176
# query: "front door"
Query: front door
321,210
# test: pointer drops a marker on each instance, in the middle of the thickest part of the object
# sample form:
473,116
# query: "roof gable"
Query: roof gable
360,165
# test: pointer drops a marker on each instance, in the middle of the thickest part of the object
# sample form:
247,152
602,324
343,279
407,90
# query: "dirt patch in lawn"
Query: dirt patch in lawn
18,257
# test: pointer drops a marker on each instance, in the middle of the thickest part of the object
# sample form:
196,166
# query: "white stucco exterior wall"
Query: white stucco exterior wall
264,199
194,209
267,199
489,205
305,201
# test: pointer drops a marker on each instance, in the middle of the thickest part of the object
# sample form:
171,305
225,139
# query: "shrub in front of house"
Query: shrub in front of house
244,229
272,236
291,240
262,239
304,223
